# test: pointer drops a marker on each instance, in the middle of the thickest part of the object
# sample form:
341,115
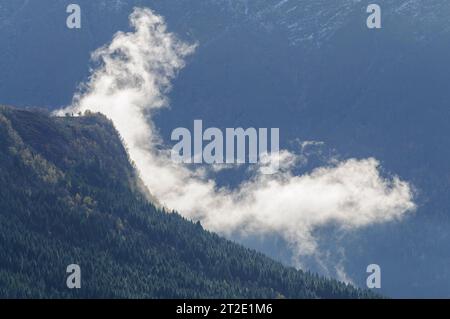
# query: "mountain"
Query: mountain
70,196
310,67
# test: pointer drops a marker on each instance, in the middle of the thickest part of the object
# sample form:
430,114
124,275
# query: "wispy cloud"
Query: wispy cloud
133,77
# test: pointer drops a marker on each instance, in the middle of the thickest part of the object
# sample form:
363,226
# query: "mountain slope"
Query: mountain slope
69,195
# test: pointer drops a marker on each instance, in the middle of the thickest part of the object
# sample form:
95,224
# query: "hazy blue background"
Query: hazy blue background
310,67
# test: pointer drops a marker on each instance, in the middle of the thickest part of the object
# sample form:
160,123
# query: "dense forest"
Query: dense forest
70,195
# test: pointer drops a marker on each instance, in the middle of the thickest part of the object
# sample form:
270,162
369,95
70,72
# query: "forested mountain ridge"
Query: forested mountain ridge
69,195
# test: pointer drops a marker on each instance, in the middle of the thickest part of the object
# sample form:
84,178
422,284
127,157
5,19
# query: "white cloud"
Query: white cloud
132,80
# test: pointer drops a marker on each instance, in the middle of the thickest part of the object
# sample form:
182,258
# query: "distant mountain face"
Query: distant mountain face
274,28
70,196
311,68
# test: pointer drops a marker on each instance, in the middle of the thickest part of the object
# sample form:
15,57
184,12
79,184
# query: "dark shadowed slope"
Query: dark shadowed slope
69,195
